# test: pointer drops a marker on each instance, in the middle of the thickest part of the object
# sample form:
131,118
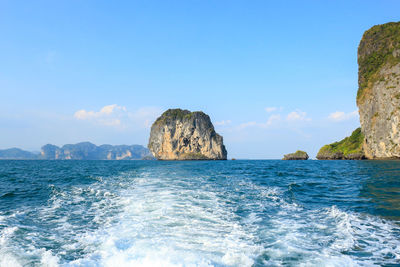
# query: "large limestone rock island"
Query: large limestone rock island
183,135
378,97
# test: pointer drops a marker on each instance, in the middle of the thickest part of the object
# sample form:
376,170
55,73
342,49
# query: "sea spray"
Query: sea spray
242,213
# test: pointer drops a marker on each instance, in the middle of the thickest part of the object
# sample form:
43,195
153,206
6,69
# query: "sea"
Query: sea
199,213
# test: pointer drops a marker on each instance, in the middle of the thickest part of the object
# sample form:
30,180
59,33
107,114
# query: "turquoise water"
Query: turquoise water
201,213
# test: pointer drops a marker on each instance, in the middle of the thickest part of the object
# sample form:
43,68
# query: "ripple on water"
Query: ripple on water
195,214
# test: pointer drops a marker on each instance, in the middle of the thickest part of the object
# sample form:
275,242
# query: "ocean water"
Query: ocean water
200,213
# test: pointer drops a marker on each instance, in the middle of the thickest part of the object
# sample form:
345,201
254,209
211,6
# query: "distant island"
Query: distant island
81,151
176,135
183,135
378,99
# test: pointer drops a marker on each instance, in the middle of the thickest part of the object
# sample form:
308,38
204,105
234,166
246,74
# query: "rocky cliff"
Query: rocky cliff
378,96
183,135
298,155
349,148
89,151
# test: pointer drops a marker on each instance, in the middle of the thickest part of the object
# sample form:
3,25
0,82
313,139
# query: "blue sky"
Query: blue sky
274,76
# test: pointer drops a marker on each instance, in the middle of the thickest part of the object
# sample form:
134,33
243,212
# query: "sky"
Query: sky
274,76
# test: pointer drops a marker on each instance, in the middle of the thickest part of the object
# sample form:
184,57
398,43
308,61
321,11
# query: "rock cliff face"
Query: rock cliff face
378,96
298,155
378,99
349,148
183,135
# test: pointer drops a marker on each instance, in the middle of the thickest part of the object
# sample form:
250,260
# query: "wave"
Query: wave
170,217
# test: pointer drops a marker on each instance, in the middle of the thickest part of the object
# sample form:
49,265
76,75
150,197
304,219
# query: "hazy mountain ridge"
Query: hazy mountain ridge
16,153
80,151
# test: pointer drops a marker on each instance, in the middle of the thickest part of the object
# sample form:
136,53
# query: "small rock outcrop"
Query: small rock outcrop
349,148
298,155
183,135
378,96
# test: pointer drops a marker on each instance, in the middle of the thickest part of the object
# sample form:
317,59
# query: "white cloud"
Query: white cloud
342,116
104,112
270,109
272,119
278,120
223,123
83,114
248,124
110,115
119,116
112,108
297,116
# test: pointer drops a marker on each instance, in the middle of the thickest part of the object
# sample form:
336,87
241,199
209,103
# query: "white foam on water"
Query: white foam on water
171,220
164,223
331,237
7,255
8,260
48,259
29,251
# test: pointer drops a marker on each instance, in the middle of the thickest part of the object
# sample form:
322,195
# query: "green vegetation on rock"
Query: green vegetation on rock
376,49
349,148
298,155
174,114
